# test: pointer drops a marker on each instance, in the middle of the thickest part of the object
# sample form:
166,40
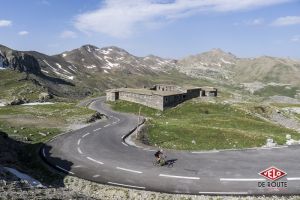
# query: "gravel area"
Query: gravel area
285,121
107,192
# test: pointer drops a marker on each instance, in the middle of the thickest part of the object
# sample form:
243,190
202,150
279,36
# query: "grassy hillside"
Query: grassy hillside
268,69
13,84
277,90
35,125
205,126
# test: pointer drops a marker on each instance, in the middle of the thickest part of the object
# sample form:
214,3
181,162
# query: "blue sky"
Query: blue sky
167,28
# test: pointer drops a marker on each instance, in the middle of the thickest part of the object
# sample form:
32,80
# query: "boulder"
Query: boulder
18,101
44,96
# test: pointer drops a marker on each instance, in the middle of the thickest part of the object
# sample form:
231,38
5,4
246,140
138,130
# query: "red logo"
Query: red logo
273,173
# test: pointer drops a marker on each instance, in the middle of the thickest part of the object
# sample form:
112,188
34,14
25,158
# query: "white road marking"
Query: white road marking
69,172
149,149
44,154
242,179
294,179
79,150
107,125
125,144
224,193
183,177
129,170
77,166
97,175
205,151
96,161
78,143
97,129
270,148
85,135
120,184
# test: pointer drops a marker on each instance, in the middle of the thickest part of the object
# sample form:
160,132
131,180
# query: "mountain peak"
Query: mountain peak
220,52
115,49
89,47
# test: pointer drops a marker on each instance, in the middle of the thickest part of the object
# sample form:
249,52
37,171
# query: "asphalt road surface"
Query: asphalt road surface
99,153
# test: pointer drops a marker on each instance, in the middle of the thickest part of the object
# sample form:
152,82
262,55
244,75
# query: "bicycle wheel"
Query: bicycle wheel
155,163
170,164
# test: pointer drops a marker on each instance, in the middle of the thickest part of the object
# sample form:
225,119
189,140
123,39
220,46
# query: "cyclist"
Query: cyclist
159,157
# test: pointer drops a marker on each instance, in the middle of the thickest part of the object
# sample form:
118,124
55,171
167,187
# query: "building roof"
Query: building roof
146,91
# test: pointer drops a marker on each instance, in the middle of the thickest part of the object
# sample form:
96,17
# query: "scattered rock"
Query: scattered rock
290,141
44,96
15,131
18,101
43,134
270,143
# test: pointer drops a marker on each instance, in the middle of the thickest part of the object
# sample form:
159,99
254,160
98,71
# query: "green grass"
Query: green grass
211,126
277,90
12,84
62,113
52,120
285,105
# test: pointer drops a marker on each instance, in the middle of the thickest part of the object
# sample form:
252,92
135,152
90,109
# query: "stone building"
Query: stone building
160,96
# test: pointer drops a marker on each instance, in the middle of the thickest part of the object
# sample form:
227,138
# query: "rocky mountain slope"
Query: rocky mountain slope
89,69
219,65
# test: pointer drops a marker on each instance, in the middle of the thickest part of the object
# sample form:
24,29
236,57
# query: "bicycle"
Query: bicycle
162,162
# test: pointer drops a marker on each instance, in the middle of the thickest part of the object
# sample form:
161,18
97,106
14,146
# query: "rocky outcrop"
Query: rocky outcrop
18,101
19,61
9,149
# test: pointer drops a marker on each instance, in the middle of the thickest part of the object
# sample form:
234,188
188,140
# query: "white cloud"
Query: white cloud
4,23
22,33
68,34
295,38
121,18
286,21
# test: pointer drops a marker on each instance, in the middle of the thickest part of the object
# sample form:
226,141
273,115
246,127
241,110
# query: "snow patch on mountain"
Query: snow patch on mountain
44,71
226,62
89,49
104,51
72,67
98,57
110,64
64,55
58,73
53,69
60,67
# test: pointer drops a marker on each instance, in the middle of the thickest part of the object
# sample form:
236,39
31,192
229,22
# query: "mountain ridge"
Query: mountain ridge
84,70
